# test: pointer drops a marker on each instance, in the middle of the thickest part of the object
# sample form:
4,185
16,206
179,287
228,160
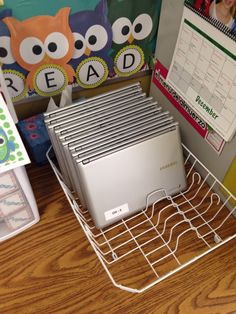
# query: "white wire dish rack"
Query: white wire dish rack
142,250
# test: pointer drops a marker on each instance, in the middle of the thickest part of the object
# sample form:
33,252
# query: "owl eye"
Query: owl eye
142,26
2,140
32,50
96,37
121,30
56,45
79,45
6,56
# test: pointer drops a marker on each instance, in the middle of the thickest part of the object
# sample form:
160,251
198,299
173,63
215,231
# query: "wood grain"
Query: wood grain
51,268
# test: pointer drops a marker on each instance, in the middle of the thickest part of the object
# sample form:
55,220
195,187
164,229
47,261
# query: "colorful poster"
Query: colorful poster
12,150
77,43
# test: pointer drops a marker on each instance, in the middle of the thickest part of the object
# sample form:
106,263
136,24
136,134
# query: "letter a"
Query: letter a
91,72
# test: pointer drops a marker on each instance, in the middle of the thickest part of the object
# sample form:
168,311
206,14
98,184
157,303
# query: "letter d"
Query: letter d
128,60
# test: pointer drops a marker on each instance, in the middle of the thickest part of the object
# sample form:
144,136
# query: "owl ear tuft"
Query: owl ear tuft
63,14
12,24
5,13
101,7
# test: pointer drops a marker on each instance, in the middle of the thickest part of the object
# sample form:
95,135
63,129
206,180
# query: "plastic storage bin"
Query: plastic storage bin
18,209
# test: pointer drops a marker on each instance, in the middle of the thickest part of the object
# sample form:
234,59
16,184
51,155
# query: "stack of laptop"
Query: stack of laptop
116,148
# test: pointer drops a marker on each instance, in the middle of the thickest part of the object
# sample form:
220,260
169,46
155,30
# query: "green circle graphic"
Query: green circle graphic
6,125
12,157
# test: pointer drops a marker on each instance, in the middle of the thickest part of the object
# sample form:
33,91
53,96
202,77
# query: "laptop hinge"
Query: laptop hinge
86,161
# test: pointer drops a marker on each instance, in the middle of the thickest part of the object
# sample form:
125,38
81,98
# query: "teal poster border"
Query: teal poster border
23,9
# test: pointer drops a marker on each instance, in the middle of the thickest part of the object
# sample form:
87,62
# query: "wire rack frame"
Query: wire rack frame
175,231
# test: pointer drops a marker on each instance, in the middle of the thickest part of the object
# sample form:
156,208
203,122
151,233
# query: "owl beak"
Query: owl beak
131,39
46,59
87,52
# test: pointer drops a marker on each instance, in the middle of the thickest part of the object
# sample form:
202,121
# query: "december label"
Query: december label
209,110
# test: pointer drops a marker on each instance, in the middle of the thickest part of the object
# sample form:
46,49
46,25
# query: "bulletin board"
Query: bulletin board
46,45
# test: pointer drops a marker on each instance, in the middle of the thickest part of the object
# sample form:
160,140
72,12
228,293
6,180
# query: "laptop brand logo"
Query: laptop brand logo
171,164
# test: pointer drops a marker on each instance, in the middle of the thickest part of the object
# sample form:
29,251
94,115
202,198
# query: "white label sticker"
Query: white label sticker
12,203
19,219
116,212
7,183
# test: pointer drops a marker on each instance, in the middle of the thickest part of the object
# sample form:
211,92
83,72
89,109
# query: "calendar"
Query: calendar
203,72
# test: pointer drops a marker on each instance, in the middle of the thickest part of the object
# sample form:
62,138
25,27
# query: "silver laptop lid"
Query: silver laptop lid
121,137
109,124
103,116
92,106
86,114
132,141
73,127
130,87
113,130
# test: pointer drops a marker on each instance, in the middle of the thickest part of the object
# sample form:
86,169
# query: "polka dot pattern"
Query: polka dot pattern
15,152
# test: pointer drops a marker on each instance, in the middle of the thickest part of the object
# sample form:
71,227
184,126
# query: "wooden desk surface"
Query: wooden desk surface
51,268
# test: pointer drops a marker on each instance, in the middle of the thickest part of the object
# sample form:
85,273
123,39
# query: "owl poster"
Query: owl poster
44,46
14,75
134,29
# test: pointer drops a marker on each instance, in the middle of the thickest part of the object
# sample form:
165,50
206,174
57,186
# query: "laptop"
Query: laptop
120,137
82,103
78,123
115,183
101,151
